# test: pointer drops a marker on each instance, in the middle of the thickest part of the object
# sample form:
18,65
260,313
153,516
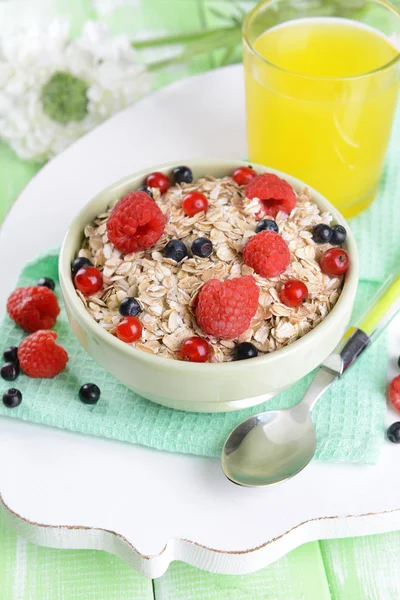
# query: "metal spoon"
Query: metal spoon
273,446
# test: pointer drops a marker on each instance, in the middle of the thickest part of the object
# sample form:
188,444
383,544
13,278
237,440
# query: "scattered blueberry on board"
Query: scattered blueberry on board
244,351
183,175
10,354
80,262
10,371
12,398
89,393
175,250
393,433
202,247
47,282
267,225
129,307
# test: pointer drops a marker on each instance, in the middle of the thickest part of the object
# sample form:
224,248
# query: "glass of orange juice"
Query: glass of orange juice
322,80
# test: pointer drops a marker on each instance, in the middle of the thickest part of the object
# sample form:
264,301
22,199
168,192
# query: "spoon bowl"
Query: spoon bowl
285,441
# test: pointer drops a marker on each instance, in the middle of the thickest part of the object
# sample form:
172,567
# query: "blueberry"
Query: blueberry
245,350
183,175
339,235
129,307
202,247
267,225
175,250
89,393
393,433
10,371
12,398
46,282
11,354
322,234
398,360
146,190
79,263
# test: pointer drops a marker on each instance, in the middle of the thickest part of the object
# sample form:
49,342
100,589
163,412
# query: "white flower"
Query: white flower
53,89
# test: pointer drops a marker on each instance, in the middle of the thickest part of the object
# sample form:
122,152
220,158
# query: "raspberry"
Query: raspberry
40,356
225,308
135,223
394,392
274,194
267,253
33,308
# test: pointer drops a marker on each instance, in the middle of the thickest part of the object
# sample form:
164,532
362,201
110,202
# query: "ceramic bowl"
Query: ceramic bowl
206,387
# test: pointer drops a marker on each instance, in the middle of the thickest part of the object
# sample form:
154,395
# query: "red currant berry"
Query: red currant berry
293,292
243,175
193,203
334,262
394,393
88,280
195,349
158,180
129,330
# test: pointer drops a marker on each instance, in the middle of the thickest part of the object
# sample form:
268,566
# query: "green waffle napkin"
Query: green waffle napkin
349,419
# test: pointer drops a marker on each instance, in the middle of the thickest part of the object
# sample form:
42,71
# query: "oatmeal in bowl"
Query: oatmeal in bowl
209,286
166,253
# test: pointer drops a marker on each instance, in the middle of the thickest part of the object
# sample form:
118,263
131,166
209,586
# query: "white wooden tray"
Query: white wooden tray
69,491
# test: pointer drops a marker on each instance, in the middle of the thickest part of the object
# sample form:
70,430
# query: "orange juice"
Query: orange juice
320,106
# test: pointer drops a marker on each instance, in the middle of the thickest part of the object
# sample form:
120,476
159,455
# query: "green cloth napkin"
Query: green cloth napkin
349,419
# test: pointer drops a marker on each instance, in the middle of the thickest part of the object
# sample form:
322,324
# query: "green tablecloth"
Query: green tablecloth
353,569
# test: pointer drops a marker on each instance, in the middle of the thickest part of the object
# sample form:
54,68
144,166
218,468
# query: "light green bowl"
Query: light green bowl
207,387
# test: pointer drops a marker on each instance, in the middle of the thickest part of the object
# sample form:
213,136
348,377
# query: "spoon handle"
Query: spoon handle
383,308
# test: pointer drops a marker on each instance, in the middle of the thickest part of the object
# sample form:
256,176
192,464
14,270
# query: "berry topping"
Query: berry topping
274,194
12,398
394,393
129,330
339,235
158,180
88,280
393,433
135,223
40,356
293,293
89,393
183,175
244,351
243,175
267,225
11,354
46,282
10,371
33,308
322,234
202,247
129,307
175,250
267,253
193,203
80,262
146,190
195,349
334,262
225,308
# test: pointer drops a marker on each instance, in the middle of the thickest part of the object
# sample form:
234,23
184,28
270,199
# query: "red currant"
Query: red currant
334,261
195,349
129,330
293,292
394,393
88,280
193,203
243,175
158,180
